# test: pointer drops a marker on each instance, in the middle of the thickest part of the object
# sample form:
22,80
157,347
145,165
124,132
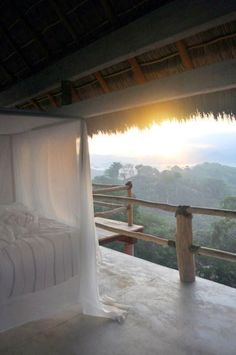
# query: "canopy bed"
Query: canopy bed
48,245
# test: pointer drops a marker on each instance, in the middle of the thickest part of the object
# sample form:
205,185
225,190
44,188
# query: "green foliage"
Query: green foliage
111,175
229,203
180,186
127,171
157,254
217,270
224,235
113,171
208,184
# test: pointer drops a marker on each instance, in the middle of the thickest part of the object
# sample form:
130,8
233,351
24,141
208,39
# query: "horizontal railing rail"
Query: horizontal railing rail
185,249
111,212
168,208
116,208
136,235
105,185
107,204
110,189
195,249
216,253
132,200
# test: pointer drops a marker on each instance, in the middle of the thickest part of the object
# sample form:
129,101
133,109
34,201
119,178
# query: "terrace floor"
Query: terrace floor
165,317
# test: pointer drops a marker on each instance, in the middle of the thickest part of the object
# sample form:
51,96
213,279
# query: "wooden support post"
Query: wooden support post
185,258
130,206
129,249
66,92
128,244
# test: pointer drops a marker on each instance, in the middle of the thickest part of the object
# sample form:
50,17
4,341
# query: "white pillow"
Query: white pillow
6,233
18,219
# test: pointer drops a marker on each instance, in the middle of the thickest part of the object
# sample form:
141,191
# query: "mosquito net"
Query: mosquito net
45,168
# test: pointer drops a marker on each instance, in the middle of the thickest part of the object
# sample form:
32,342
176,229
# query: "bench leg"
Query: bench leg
128,249
128,244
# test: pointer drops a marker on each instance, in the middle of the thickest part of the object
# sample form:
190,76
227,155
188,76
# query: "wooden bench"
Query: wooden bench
105,236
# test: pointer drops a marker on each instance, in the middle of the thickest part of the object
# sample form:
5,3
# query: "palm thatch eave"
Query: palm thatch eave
220,104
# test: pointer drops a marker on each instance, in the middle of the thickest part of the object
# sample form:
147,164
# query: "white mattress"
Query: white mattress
35,252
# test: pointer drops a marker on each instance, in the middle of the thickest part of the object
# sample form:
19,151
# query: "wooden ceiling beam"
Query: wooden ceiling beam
69,93
184,55
66,92
63,19
6,72
109,11
15,47
102,82
202,80
37,37
138,74
36,104
177,20
52,100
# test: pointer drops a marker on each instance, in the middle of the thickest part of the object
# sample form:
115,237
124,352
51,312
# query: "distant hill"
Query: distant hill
96,172
205,184
104,161
219,148
221,172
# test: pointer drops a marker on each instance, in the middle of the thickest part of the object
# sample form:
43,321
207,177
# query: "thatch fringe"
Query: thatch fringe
220,104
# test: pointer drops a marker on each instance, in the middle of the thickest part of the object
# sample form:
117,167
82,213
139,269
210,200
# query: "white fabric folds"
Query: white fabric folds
51,176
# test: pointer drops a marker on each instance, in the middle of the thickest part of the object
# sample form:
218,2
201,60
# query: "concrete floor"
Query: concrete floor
165,317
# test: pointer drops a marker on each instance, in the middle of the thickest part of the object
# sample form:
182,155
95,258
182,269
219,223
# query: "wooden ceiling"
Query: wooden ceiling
37,33
60,52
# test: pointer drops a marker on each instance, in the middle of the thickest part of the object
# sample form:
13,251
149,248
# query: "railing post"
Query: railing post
129,249
184,237
130,206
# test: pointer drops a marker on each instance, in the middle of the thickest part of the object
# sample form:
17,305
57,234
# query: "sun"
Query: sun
160,140
165,140
169,141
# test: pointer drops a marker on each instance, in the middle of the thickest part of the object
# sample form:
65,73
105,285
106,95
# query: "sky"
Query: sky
171,143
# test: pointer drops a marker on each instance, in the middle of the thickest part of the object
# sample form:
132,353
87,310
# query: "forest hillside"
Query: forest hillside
206,185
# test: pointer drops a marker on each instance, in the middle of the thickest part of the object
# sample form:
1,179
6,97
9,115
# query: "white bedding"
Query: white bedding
35,252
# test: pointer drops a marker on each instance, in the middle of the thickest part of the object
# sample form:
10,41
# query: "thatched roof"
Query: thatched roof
221,104
205,48
36,33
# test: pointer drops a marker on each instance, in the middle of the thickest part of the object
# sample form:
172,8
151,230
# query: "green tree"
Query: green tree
113,171
203,185
229,203
127,171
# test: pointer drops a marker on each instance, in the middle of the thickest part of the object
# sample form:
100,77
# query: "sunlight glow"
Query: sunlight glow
170,140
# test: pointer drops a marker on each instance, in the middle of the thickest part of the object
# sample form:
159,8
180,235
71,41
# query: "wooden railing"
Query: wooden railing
115,207
185,249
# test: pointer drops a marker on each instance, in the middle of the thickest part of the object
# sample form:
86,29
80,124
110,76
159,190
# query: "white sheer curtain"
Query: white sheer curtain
45,170
6,181
52,177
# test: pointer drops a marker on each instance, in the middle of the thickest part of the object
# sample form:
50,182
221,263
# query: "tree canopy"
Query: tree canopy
207,184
